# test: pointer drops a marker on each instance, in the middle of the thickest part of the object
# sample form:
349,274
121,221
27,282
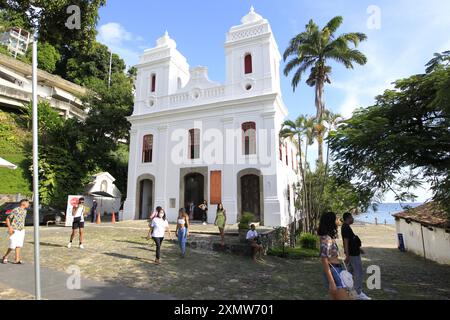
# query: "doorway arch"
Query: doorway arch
145,191
250,194
194,189
193,186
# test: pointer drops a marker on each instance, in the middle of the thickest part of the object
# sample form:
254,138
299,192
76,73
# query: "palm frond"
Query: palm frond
334,24
354,37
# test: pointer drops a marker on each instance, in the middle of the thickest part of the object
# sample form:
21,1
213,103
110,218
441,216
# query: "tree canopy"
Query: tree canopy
402,138
312,50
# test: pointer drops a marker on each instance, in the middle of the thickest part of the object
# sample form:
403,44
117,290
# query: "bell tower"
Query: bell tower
252,57
162,70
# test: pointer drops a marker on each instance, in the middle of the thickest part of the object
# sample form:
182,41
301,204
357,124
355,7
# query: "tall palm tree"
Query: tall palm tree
310,136
295,131
312,49
330,122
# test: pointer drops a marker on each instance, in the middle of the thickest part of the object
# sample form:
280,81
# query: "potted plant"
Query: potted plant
244,225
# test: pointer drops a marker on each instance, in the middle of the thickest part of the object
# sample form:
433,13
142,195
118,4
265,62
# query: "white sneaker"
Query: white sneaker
81,246
69,245
363,296
204,223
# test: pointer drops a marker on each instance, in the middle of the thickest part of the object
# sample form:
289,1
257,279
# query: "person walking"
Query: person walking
152,216
329,255
158,228
220,221
353,251
15,223
94,211
182,230
204,208
78,213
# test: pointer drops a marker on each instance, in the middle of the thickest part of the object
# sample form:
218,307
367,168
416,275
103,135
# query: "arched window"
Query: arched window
248,63
104,186
249,138
147,149
153,82
194,143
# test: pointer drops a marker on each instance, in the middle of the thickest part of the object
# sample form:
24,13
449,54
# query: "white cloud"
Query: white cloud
119,40
113,33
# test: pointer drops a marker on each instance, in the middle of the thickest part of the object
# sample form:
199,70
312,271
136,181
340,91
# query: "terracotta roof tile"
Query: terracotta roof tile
428,214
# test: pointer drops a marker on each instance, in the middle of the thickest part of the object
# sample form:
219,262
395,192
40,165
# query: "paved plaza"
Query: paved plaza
118,264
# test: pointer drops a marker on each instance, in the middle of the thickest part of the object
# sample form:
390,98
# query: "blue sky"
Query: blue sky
410,32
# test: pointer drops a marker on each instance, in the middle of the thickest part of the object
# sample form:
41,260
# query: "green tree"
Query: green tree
295,131
52,16
47,57
312,50
90,67
402,138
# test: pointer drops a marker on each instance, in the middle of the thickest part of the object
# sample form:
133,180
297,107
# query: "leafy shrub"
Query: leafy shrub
246,218
308,241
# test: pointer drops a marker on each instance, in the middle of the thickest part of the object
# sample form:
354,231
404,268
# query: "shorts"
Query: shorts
16,239
335,271
77,224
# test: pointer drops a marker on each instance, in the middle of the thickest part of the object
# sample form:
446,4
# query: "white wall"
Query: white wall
436,241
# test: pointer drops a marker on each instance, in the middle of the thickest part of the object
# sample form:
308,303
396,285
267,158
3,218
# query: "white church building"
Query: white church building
193,139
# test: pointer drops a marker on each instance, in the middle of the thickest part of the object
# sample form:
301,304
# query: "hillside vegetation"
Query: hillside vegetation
15,145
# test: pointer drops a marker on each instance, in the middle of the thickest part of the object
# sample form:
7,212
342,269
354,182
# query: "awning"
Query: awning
102,194
7,164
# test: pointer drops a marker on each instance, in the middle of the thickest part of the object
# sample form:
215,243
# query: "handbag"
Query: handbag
345,276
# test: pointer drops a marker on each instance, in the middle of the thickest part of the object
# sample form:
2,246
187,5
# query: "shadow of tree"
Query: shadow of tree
407,276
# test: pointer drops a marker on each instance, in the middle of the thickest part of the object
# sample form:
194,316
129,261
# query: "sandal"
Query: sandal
18,262
5,260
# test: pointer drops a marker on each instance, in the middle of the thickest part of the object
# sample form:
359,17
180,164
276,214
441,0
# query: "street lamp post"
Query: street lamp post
35,172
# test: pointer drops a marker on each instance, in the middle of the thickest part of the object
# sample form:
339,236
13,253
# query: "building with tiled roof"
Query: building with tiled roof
425,231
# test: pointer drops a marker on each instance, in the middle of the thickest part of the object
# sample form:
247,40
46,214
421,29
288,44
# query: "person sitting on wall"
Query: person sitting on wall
255,243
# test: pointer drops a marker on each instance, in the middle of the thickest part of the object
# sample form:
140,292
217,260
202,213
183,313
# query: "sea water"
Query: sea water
384,212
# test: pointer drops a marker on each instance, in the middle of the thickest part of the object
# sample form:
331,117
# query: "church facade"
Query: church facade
193,139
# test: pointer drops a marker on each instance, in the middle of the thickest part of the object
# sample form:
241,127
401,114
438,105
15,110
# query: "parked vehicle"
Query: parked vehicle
45,213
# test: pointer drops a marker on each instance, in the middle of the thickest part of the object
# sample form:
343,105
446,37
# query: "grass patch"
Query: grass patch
293,253
14,143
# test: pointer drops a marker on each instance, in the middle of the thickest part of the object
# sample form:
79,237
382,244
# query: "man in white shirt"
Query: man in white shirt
78,213
253,239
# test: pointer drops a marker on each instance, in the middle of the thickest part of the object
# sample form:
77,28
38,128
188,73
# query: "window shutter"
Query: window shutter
215,187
